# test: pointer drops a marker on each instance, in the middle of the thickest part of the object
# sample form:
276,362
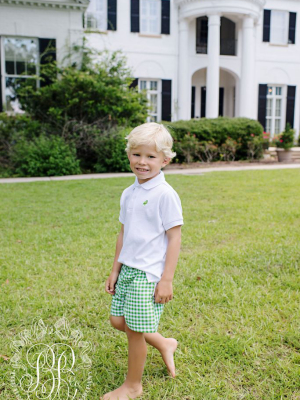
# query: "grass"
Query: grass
236,300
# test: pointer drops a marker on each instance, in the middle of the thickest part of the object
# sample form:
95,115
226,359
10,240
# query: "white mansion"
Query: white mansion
195,58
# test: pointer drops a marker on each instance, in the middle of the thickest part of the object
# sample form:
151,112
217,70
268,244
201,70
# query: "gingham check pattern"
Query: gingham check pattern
134,299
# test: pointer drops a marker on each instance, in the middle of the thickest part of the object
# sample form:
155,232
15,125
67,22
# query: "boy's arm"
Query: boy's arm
113,277
164,289
116,265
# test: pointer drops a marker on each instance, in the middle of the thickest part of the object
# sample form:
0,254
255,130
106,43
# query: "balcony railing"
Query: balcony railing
228,47
201,48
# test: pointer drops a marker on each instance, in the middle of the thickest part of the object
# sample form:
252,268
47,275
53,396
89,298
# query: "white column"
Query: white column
184,80
247,87
213,67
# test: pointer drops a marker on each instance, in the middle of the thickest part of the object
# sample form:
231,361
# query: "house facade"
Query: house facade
206,58
194,58
30,32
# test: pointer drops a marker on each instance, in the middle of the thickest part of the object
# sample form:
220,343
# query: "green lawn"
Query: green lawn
236,300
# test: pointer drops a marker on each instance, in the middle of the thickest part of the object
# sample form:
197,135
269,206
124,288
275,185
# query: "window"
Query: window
20,57
152,88
201,35
150,19
279,27
96,15
274,110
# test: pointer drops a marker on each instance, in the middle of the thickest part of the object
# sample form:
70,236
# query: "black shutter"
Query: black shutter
165,17
166,100
221,102
290,105
47,55
111,15
292,28
262,104
267,25
1,105
135,15
203,101
134,83
193,101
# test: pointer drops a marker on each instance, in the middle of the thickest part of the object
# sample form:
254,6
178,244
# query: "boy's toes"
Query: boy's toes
168,355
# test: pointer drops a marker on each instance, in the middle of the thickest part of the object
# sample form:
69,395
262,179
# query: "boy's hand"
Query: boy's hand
110,283
163,292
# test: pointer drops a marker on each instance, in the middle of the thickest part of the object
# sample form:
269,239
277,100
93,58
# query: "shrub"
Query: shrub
188,146
111,154
12,128
255,148
217,131
208,151
44,156
228,149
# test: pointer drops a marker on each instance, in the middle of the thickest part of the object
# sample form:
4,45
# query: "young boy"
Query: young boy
147,252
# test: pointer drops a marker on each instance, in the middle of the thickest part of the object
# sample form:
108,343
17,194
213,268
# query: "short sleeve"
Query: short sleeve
122,210
171,210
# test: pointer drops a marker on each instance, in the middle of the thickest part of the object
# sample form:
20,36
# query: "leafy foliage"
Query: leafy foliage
218,131
96,90
12,129
45,156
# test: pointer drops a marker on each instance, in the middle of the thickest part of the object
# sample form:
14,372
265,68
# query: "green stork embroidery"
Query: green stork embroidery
145,202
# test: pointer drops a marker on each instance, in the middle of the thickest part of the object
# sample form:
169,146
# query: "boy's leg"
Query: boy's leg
166,346
137,353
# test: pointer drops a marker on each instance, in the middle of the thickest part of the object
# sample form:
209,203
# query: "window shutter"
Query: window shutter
1,105
292,28
166,100
262,104
203,101
134,83
135,15
221,102
111,15
47,55
267,25
165,17
290,105
193,101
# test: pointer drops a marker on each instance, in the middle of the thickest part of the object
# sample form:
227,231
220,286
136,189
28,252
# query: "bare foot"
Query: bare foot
168,355
124,392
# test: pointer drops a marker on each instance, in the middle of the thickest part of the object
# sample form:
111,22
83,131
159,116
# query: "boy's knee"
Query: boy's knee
130,332
117,322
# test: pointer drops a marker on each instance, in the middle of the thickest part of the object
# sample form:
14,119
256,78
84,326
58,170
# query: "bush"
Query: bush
44,156
12,128
218,131
110,148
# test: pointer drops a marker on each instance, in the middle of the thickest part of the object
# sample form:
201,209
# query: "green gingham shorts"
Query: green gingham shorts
134,299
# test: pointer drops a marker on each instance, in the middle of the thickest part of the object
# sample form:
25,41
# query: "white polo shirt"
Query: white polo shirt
148,210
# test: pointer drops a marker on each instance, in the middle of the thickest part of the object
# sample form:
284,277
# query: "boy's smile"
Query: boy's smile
146,162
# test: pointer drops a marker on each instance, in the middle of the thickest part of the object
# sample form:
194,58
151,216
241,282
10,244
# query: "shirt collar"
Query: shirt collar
160,178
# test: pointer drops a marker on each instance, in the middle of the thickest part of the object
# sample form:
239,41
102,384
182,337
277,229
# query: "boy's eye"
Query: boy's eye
136,154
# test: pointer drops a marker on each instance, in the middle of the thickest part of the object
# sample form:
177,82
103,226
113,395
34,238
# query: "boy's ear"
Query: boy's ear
166,161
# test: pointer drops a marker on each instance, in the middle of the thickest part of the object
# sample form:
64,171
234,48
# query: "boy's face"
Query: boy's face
146,162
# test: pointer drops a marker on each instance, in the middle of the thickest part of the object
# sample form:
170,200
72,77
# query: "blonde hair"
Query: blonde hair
151,133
